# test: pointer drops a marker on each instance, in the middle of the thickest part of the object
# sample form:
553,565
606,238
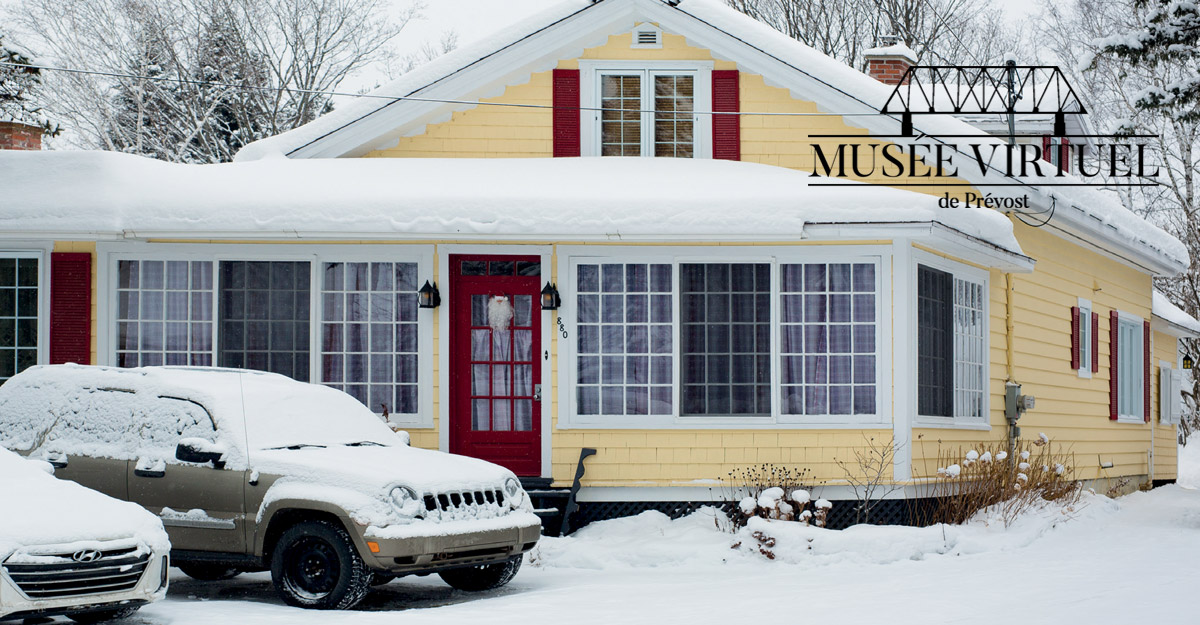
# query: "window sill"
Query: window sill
717,423
1085,374
937,423
1131,420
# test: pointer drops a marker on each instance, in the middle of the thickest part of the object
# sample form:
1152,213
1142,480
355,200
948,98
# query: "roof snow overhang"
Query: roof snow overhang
567,29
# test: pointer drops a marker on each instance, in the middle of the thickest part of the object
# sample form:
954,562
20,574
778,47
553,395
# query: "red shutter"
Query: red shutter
1095,342
1046,148
1065,155
70,308
566,112
1146,369
1113,327
1074,337
726,129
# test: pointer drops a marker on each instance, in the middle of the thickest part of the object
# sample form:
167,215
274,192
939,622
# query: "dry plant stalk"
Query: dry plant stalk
771,492
977,479
869,474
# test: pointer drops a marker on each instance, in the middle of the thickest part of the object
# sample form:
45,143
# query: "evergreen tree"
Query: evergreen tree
19,82
1169,39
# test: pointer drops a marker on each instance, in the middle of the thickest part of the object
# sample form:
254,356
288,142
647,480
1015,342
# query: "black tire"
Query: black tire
484,576
380,579
207,572
100,616
315,565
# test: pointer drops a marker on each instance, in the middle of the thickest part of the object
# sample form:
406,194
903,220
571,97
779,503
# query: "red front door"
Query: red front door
495,346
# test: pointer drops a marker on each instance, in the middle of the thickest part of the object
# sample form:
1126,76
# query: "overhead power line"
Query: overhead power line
391,98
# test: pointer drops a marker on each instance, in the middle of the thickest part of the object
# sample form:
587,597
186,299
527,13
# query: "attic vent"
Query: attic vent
647,37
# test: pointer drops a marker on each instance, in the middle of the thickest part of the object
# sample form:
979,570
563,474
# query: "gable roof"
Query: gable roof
565,29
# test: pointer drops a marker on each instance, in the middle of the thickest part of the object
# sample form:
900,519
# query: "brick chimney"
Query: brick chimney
18,136
888,61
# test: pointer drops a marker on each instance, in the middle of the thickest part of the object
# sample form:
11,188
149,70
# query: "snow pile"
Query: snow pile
125,195
1164,308
651,539
1189,465
41,510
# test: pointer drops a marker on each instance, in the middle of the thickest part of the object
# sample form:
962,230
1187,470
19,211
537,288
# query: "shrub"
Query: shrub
989,477
773,492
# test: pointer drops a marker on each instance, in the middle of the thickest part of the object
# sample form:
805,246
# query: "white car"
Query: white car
69,550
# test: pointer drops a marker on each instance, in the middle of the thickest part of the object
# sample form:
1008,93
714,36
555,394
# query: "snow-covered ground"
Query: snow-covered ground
1136,559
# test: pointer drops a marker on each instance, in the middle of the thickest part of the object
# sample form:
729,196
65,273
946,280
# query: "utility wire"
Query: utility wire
210,83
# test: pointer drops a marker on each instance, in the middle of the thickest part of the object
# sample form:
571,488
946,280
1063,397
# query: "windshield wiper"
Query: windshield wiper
297,446
365,444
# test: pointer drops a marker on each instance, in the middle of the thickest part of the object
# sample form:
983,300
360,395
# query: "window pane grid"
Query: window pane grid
673,116
1130,402
828,338
935,342
369,338
621,118
18,315
625,342
164,313
725,337
264,313
969,350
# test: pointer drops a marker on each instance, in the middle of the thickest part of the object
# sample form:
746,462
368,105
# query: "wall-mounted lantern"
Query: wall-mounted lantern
428,296
1187,362
550,298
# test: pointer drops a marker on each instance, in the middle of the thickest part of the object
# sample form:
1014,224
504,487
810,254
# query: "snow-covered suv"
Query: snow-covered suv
67,550
252,471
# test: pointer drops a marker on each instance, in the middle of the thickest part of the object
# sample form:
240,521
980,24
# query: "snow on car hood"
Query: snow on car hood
358,479
43,510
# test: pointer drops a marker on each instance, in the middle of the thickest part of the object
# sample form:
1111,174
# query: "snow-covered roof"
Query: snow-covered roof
1166,310
565,28
107,194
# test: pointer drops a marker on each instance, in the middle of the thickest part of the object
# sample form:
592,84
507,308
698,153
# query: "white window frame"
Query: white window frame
1085,338
590,91
1131,368
1170,387
569,257
958,271
108,255
42,254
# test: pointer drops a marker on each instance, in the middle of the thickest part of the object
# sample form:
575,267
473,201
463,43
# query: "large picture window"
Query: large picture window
369,338
951,345
725,336
19,280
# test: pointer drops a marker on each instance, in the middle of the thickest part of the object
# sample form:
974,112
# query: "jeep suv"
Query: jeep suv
253,471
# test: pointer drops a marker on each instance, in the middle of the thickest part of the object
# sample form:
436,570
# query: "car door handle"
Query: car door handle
150,472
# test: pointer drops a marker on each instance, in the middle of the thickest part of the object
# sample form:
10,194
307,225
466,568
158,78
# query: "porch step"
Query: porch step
548,504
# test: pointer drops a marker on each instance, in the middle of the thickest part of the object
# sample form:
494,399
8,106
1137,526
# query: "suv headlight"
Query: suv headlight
512,488
406,501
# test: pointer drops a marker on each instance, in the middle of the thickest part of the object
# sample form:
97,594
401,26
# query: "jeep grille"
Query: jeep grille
465,504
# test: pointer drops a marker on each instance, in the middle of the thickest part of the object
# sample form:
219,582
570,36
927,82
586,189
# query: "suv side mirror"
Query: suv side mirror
200,451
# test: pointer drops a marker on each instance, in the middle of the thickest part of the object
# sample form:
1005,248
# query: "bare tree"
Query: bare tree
194,80
939,31
395,66
1075,34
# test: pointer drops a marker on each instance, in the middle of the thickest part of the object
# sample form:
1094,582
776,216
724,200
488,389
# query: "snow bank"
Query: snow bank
101,193
1189,465
651,539
41,510
1165,309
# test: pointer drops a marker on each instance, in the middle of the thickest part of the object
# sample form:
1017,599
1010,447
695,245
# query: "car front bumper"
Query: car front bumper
152,586
429,546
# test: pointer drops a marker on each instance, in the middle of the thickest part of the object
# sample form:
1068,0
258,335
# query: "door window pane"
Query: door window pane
615,320
722,378
165,313
374,306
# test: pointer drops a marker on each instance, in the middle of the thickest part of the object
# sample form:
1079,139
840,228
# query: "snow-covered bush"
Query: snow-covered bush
990,478
772,492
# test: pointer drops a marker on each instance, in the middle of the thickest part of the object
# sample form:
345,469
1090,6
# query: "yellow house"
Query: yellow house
496,253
